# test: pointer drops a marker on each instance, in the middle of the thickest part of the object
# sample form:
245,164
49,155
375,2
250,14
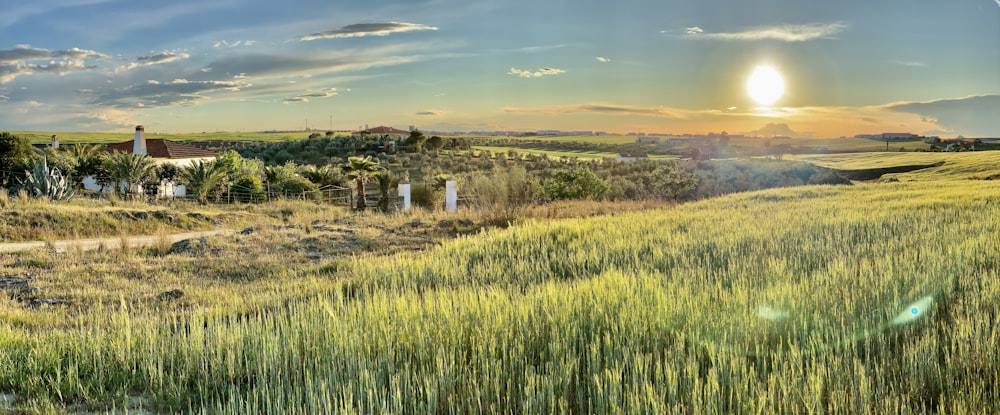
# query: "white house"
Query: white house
162,151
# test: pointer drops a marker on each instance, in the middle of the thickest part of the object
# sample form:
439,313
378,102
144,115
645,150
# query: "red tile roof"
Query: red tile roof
162,148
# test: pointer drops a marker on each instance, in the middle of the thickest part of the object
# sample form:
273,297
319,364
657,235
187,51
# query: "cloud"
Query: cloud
539,73
19,61
323,93
159,58
162,94
279,64
911,63
611,109
602,59
537,49
226,44
430,112
785,33
998,2
974,116
367,29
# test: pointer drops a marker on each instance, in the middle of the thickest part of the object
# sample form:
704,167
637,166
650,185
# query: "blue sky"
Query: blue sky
658,66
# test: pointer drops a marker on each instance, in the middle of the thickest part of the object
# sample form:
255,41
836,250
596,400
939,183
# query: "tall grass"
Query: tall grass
781,301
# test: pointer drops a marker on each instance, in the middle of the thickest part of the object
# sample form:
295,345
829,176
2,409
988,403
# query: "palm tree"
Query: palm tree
130,171
323,176
385,179
201,178
88,161
360,169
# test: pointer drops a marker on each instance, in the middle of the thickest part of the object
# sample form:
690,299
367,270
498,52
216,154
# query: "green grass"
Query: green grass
963,165
833,144
38,220
779,301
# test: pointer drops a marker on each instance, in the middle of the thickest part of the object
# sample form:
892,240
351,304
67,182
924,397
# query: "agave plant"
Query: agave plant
42,181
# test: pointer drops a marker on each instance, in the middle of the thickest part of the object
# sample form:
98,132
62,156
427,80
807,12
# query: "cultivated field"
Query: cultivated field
877,298
958,166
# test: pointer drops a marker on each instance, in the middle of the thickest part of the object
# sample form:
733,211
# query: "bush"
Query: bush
248,189
426,196
579,183
501,195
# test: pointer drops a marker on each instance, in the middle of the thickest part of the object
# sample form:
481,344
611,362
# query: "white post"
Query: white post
404,191
450,196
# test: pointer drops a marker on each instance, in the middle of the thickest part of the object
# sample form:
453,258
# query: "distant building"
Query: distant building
628,158
647,140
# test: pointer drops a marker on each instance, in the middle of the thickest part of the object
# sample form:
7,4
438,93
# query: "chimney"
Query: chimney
55,142
139,146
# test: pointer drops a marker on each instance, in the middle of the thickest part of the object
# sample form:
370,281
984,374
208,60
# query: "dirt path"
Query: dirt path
108,243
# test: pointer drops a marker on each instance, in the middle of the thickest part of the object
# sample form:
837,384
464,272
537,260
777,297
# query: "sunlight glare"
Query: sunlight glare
765,85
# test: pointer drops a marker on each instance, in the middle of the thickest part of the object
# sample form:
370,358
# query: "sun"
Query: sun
765,85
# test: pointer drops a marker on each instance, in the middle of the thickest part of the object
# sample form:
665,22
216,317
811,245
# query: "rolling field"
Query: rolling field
958,166
840,299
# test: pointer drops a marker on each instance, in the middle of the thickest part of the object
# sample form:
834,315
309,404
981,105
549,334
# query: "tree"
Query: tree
89,161
416,139
361,169
385,181
129,171
323,176
579,183
436,142
15,152
672,182
201,178
285,179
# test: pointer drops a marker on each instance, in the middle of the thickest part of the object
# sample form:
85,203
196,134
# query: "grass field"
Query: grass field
964,165
847,299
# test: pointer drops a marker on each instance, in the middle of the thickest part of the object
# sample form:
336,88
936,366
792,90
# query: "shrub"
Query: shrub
501,194
45,182
579,183
426,196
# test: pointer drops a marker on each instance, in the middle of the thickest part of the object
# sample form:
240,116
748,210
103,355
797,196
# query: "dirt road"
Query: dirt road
107,243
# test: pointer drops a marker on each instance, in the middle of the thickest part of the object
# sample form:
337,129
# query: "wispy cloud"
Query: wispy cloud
161,94
15,12
323,93
997,2
535,74
21,61
911,63
537,49
611,109
367,29
430,112
159,58
785,33
226,44
602,59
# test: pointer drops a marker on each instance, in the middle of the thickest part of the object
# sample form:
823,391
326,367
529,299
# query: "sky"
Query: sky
849,67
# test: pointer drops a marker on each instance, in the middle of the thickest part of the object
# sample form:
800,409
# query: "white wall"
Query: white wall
167,189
